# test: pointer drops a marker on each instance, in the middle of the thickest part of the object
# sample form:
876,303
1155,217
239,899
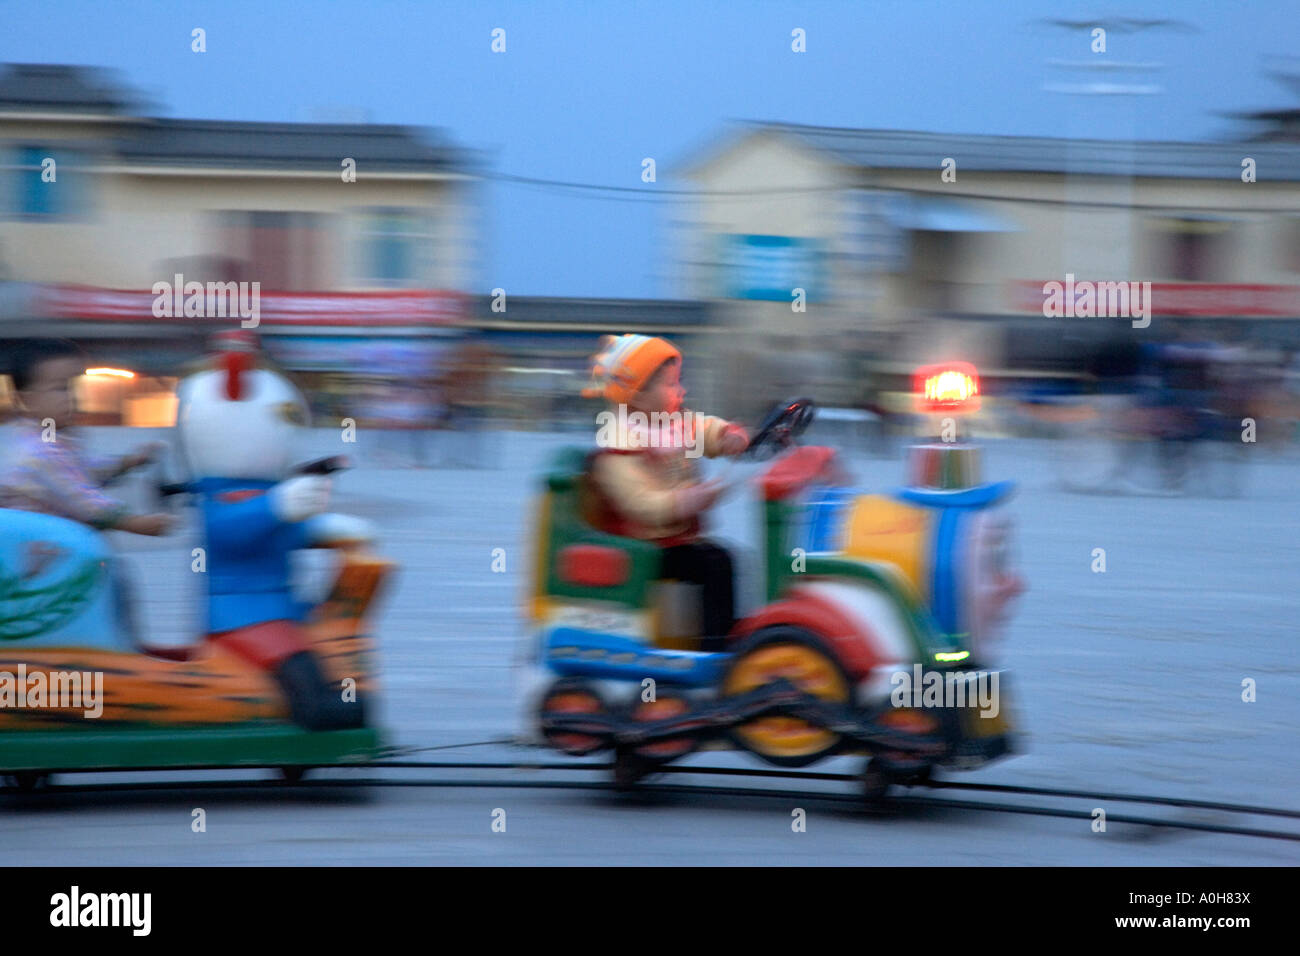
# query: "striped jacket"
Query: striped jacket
640,474
56,477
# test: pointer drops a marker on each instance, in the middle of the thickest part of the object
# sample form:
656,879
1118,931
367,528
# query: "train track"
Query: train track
916,798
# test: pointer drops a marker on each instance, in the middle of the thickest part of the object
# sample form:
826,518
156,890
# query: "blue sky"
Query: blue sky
585,90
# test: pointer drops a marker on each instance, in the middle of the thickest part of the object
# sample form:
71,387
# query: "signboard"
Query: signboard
772,267
407,357
1186,298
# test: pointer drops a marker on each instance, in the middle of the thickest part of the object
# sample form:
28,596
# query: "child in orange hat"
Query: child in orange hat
647,482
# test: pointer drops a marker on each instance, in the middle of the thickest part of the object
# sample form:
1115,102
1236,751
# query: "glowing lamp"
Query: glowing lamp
951,387
109,373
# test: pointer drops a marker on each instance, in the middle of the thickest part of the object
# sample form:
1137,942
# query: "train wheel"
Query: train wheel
876,781
27,781
293,774
666,704
630,769
800,657
569,697
902,767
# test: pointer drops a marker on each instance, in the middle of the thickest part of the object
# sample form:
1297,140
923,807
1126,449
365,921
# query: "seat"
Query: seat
578,559
584,558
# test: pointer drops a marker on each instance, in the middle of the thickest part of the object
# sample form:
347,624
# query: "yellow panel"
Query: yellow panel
537,598
897,533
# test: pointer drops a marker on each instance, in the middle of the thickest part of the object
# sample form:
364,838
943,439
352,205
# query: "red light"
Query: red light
947,387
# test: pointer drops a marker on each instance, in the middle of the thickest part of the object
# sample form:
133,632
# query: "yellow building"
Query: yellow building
359,238
928,246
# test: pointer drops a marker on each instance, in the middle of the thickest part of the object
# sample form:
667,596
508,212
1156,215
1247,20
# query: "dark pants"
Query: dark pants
710,567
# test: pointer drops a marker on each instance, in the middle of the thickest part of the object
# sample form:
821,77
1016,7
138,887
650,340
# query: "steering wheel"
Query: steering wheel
783,424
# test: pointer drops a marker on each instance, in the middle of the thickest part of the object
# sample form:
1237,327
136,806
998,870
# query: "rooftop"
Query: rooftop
152,141
48,87
906,149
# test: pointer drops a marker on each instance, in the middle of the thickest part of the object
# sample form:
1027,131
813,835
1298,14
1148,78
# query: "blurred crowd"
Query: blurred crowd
1198,386
1192,401
428,420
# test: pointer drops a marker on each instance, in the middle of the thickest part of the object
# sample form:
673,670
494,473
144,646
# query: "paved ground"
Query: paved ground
1127,681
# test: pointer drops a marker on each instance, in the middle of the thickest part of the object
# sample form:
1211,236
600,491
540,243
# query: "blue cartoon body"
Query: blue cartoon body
237,426
247,554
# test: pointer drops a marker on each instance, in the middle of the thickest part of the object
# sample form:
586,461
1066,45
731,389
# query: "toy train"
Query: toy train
876,638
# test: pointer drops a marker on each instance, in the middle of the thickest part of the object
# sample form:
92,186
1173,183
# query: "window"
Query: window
1189,256
1195,249
871,238
396,249
934,279
281,250
1290,245
43,183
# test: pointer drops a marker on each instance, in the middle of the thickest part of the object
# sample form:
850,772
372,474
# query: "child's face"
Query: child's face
664,391
49,395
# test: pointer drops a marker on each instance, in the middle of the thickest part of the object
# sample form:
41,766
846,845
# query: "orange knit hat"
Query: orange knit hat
625,363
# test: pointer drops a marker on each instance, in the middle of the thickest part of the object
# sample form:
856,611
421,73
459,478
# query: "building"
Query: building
359,238
544,345
924,246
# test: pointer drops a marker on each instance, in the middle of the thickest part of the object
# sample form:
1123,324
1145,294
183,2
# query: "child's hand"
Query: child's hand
145,454
152,525
734,440
297,499
697,498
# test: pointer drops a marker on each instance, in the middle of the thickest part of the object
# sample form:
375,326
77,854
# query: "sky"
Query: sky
585,90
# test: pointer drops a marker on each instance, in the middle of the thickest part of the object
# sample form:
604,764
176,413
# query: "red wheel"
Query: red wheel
666,704
568,697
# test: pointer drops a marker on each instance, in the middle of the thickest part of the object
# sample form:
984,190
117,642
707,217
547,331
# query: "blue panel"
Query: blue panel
824,517
54,576
945,598
771,267
981,496
573,652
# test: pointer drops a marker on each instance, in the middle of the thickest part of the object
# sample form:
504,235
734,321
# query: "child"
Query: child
40,467
645,472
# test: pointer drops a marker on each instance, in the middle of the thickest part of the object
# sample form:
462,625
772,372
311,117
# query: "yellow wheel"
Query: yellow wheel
799,657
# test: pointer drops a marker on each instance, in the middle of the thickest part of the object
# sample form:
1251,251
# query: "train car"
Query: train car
83,687
875,637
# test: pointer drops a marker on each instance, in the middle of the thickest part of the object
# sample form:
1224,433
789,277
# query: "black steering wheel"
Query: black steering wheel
783,424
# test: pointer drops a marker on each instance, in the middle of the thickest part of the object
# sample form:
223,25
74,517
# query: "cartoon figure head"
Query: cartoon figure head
239,421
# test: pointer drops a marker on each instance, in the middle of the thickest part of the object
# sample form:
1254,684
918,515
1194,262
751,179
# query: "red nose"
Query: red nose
235,364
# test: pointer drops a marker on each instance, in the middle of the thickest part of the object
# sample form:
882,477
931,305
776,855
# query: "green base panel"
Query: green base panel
251,745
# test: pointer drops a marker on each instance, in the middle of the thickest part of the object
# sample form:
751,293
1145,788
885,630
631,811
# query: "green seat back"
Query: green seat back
565,474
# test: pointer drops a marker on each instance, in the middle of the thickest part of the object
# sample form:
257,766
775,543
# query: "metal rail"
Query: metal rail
895,803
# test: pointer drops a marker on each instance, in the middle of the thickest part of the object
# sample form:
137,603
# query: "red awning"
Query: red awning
1184,298
405,307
